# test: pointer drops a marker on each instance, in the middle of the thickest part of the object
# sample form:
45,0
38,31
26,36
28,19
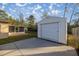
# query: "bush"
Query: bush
69,28
74,42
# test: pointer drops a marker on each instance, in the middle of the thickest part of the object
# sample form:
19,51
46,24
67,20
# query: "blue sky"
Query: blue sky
37,9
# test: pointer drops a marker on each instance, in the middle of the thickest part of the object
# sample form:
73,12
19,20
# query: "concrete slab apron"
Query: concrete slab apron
49,51
36,47
9,50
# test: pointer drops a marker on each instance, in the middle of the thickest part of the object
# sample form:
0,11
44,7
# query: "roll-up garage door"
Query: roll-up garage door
50,31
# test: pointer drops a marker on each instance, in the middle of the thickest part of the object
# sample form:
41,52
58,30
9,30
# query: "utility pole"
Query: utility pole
65,10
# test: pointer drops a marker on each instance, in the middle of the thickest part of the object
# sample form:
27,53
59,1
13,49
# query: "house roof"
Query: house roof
4,21
7,22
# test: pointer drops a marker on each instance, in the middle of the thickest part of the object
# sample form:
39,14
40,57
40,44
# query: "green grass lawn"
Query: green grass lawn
17,38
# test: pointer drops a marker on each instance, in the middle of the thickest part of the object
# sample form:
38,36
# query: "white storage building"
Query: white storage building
53,29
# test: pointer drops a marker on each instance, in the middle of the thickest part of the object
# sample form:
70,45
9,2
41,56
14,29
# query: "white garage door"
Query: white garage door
50,31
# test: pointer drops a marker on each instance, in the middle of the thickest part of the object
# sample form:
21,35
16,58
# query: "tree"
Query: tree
21,18
17,22
11,20
3,14
76,23
69,24
45,15
72,15
76,14
31,23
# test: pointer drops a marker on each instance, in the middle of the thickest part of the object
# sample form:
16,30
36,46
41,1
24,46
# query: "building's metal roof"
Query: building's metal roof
49,19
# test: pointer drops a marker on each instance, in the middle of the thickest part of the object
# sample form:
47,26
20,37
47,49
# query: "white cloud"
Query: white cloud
3,7
30,8
37,17
10,9
20,5
38,7
42,10
37,13
55,12
58,5
33,11
28,13
50,7
13,10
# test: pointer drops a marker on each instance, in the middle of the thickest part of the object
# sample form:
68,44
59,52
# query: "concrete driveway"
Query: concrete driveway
36,47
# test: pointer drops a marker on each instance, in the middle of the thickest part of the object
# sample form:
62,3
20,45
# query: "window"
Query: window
11,28
21,29
16,29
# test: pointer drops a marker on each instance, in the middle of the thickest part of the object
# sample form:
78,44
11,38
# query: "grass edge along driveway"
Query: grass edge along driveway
72,41
17,38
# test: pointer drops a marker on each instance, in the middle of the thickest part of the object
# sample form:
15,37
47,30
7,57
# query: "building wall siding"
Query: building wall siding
4,28
3,35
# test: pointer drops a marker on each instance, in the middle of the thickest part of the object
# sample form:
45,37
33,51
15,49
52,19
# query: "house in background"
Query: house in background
7,29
